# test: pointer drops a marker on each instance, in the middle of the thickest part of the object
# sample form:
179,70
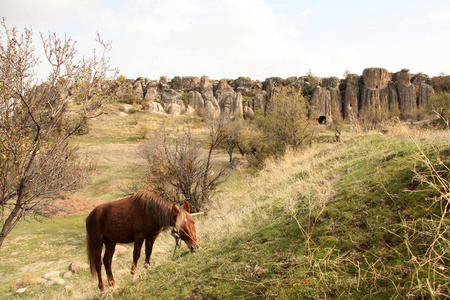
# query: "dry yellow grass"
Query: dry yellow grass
228,214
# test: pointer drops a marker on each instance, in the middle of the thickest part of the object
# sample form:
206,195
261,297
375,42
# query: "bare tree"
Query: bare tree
179,168
37,118
233,131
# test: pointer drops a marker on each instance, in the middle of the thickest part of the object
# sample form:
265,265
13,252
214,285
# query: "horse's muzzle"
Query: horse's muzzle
194,248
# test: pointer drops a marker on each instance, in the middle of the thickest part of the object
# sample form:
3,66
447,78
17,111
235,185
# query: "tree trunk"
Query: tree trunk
10,223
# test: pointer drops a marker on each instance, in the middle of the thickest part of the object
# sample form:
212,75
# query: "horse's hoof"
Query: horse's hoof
112,283
147,265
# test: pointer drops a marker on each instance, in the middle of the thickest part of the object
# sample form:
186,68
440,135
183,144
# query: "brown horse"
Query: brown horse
134,219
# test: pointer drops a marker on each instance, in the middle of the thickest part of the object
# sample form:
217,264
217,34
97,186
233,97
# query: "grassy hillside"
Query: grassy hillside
348,220
355,219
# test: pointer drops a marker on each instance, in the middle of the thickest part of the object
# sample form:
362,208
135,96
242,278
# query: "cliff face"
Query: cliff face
376,90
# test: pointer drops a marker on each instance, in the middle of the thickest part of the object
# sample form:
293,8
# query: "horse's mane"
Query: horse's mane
157,209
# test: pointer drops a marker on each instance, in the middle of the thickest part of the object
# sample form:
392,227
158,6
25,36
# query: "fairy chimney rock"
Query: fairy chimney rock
189,82
376,78
403,77
205,85
223,85
164,83
177,83
351,97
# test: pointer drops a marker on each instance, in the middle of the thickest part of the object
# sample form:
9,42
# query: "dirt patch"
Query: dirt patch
75,207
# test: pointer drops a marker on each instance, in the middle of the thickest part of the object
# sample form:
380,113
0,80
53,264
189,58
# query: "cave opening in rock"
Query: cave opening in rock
322,120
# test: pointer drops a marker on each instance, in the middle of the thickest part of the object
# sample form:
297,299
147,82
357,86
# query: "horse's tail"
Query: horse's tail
90,254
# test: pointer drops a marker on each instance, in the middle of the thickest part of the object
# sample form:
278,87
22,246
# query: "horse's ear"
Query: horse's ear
187,207
175,210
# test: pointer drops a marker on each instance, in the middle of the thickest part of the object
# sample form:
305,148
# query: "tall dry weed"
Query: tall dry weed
228,214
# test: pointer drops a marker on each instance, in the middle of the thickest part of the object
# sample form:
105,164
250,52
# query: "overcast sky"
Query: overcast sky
254,38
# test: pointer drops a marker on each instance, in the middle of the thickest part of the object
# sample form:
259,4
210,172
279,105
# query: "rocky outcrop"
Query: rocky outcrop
407,99
230,102
172,102
184,83
375,91
351,98
243,85
424,88
393,98
164,83
259,103
151,94
332,85
321,100
204,103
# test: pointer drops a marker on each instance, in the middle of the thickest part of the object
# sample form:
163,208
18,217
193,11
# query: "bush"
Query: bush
287,119
309,86
179,170
439,105
129,98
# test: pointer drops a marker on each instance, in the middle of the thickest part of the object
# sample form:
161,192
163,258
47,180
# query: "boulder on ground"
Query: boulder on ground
37,281
76,266
51,275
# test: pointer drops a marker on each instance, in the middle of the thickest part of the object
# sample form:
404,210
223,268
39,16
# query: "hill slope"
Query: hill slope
345,220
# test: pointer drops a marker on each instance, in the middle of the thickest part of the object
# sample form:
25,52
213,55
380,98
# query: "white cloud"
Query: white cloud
305,13
231,38
439,15
216,38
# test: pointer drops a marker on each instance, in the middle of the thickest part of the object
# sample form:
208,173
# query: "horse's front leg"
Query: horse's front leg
149,247
148,251
136,254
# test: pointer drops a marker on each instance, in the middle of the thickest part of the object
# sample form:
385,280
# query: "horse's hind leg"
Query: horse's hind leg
98,265
107,260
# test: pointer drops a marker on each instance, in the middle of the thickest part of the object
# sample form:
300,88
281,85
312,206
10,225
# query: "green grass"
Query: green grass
34,248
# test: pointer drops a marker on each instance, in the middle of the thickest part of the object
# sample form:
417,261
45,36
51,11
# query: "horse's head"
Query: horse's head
184,225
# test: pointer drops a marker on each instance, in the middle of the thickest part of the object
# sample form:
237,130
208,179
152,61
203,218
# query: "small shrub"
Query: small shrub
143,130
129,98
134,109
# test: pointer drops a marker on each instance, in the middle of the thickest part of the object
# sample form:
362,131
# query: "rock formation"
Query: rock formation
375,91
407,99
230,102
351,98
